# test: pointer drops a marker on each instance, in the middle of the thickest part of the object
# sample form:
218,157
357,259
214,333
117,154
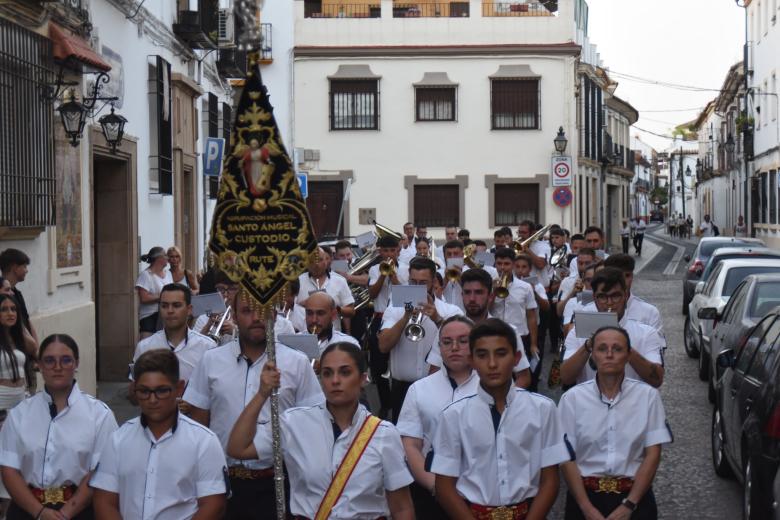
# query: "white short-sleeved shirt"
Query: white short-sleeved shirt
55,451
609,437
566,287
161,479
453,292
542,249
382,300
408,358
298,318
407,253
706,229
313,452
282,325
225,381
189,352
335,285
154,285
425,401
498,466
639,310
512,309
434,357
641,227
644,339
572,306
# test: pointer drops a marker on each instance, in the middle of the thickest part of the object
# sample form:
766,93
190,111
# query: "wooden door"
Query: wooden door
324,205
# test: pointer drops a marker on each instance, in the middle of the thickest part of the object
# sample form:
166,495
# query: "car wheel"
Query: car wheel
751,502
690,348
719,462
704,361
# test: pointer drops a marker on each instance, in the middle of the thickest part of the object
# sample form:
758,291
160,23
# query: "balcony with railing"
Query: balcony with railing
490,9
199,28
337,9
642,185
430,10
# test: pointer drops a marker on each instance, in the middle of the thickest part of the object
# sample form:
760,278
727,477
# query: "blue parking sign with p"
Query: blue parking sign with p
212,156
303,183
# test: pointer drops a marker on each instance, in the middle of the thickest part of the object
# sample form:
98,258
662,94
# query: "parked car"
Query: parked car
745,431
715,292
701,255
751,301
656,216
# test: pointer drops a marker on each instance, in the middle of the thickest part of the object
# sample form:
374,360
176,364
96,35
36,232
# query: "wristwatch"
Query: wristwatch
629,504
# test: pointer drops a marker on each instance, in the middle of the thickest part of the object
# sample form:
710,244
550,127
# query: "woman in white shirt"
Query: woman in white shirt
616,427
149,286
178,273
316,440
50,442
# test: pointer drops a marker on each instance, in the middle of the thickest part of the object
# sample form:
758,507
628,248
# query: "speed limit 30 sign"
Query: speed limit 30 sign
561,171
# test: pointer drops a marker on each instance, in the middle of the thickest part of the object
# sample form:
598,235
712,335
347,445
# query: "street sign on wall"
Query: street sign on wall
303,183
561,171
562,196
212,156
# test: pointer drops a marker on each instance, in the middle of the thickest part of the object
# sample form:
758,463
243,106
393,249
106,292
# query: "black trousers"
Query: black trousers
646,509
17,513
624,238
254,499
638,239
378,363
398,390
425,505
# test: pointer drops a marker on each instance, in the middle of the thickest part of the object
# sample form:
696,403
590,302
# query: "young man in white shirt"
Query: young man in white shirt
424,403
224,382
320,310
705,229
637,309
188,345
498,451
408,358
639,236
567,290
452,288
539,251
594,239
319,278
161,465
646,360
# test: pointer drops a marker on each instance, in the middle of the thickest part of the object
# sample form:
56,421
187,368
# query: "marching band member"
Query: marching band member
573,305
450,234
577,242
594,239
343,462
463,234
452,288
497,451
539,251
502,237
407,357
566,291
188,345
224,382
319,278
358,324
424,403
320,310
409,250
50,443
522,271
616,425
291,311
160,465
343,251
379,290
636,308
645,361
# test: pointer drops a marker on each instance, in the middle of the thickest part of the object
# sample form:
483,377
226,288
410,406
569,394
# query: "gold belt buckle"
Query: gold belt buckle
608,485
53,496
502,513
241,472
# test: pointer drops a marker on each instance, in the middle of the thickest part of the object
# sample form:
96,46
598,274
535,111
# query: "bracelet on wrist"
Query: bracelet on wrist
38,516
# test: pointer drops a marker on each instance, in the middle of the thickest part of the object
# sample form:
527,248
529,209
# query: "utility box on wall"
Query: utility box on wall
366,216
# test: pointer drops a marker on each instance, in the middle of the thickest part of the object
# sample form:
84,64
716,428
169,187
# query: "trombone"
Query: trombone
520,246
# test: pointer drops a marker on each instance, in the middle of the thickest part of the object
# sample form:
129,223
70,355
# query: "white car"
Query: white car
715,292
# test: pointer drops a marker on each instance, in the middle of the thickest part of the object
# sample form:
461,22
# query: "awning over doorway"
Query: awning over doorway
71,47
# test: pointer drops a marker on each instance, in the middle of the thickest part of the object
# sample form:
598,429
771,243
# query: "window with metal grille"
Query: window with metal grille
161,138
437,205
514,104
514,203
435,103
27,175
227,121
354,104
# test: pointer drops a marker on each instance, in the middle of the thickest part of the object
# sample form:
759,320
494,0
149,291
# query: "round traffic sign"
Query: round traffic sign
561,170
562,196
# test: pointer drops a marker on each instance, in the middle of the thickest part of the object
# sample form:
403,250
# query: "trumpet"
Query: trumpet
213,332
414,330
387,268
452,274
314,330
520,246
502,289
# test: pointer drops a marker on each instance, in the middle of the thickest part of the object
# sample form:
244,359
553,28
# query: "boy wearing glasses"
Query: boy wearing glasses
161,465
423,405
496,452
646,360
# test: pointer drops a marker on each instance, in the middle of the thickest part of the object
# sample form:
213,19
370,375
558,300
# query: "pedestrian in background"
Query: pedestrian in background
740,230
14,266
149,286
639,236
705,229
178,273
625,233
618,446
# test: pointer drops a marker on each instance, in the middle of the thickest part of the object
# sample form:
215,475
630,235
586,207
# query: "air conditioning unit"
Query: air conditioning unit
225,26
311,155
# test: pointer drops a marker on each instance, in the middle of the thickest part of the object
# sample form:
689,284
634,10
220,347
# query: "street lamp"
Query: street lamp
730,145
72,114
113,126
560,141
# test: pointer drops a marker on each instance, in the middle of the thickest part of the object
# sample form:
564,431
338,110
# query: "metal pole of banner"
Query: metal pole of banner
205,223
276,433
344,201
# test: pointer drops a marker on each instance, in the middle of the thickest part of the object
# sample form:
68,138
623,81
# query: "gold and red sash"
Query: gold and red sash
347,466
